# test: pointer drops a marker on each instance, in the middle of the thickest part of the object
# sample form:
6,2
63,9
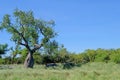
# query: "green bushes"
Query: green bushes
1,61
91,55
103,55
63,56
115,56
98,55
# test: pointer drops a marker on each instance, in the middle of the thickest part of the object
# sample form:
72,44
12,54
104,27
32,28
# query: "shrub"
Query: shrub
102,57
2,61
68,65
115,57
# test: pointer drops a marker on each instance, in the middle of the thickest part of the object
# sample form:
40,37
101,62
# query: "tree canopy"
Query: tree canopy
26,30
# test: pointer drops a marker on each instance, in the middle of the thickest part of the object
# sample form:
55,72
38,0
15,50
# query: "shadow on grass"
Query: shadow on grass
70,65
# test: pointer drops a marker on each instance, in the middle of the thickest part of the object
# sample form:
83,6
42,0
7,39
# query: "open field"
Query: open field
90,71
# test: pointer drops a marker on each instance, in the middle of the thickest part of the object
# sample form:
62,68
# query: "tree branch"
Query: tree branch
41,31
37,46
20,34
21,43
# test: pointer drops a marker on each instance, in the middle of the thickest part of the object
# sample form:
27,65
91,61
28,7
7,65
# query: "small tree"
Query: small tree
50,49
3,49
28,31
15,52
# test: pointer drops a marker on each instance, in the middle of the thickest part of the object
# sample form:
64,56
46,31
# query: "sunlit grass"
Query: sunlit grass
90,71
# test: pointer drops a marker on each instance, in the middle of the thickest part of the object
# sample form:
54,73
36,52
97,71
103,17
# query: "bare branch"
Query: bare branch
37,46
41,31
21,43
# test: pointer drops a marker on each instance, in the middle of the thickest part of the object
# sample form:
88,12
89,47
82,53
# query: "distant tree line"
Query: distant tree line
60,55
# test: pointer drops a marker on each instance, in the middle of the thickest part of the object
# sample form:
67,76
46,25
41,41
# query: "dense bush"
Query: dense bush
115,56
102,55
38,58
91,55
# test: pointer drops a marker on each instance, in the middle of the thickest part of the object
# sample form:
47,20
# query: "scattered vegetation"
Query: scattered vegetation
61,55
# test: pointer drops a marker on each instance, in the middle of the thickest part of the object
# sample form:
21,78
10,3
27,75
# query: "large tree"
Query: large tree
28,31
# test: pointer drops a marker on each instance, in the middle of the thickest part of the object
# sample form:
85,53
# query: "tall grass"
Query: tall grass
90,71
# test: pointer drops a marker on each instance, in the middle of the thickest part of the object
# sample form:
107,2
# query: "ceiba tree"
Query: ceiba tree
28,31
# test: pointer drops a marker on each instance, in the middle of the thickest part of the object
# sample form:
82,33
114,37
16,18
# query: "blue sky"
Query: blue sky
81,24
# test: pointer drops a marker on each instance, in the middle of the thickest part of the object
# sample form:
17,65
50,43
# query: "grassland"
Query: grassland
89,71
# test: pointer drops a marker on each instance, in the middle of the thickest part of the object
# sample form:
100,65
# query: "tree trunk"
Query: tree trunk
29,61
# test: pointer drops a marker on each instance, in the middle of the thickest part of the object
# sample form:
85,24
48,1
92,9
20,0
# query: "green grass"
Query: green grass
90,71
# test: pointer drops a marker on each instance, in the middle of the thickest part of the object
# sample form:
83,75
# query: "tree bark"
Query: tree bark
29,61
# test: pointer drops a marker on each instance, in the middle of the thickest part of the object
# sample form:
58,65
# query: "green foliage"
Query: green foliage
3,49
63,55
91,54
51,47
23,52
115,56
2,61
85,58
38,58
75,58
8,60
102,55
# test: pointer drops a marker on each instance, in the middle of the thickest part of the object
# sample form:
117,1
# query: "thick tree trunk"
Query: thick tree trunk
29,61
